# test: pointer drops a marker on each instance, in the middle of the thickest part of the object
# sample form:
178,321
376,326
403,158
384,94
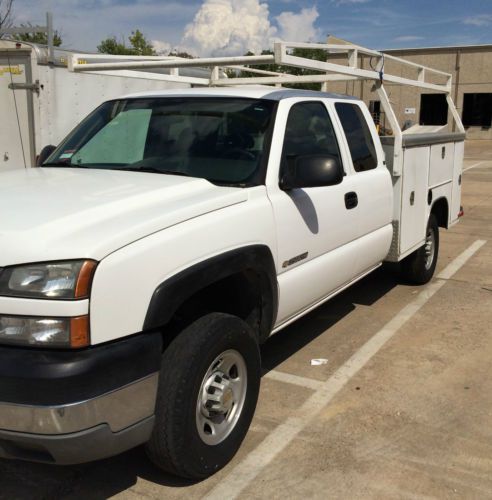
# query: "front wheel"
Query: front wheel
208,389
420,265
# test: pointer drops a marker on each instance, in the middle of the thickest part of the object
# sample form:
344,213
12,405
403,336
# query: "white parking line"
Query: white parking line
473,166
244,473
288,378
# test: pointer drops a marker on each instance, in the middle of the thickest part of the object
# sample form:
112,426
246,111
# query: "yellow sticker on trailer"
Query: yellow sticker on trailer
13,70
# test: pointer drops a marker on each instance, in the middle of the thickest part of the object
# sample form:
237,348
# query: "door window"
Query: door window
358,136
309,131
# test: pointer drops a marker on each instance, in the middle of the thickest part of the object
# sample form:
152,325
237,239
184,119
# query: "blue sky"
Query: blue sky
231,26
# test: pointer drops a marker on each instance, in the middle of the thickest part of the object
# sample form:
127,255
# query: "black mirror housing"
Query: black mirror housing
45,154
312,171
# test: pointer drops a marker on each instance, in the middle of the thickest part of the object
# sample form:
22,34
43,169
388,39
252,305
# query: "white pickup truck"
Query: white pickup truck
168,236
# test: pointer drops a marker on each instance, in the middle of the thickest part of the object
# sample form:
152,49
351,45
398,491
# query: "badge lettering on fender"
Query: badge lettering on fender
295,259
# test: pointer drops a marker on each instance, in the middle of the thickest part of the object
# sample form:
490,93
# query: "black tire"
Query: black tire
175,445
418,267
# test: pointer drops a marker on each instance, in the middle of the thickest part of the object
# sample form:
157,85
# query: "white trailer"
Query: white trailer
41,99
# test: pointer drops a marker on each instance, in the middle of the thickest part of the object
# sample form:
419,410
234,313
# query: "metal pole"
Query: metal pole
49,24
395,126
457,82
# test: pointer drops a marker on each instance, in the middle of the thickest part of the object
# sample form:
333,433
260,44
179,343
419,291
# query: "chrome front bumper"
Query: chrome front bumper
118,409
80,432
69,407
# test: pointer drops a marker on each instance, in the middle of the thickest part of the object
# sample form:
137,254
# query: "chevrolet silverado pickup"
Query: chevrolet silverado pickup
168,236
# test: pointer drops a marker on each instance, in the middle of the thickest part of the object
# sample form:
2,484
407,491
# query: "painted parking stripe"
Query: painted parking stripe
473,166
244,473
289,378
455,265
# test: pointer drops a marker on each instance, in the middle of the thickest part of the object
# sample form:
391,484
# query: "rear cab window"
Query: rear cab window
358,135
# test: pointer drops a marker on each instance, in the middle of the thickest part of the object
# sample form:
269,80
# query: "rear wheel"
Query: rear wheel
419,266
208,390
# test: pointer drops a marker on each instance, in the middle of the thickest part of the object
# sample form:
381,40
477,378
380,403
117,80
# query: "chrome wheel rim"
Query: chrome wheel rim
221,397
429,248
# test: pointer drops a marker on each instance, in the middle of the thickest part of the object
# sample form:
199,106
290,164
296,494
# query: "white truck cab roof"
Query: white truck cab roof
258,92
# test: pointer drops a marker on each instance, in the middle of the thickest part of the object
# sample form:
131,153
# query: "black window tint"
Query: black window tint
358,136
477,110
309,132
433,109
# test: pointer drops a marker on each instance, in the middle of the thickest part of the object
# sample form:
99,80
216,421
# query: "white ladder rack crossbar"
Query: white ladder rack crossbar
75,65
330,71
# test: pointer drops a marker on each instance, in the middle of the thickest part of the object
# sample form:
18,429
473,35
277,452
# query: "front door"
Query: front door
16,140
374,185
317,227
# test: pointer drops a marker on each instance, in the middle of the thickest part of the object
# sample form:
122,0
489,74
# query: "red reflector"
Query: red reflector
461,212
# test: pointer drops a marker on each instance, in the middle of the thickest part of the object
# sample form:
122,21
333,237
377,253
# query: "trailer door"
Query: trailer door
16,112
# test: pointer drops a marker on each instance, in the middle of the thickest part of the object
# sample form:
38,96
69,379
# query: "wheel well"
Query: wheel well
441,211
241,282
238,294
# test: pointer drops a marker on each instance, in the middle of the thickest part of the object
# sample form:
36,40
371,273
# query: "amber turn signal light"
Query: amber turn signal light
84,280
79,332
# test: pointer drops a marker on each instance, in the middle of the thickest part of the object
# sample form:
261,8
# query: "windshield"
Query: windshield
224,140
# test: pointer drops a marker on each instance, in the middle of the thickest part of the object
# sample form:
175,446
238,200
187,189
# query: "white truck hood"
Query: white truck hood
66,213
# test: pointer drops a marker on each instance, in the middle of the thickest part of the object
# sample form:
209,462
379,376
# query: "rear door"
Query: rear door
16,123
317,227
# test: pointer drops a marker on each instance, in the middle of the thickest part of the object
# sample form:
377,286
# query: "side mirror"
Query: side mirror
45,154
311,171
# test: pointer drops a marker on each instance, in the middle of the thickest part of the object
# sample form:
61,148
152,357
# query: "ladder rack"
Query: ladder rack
324,72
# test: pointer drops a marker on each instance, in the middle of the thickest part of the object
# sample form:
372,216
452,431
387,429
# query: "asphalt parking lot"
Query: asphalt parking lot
402,409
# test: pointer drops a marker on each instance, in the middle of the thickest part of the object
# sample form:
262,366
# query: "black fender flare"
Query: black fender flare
173,292
435,208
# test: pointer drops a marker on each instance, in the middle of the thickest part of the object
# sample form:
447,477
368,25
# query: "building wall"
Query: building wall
470,67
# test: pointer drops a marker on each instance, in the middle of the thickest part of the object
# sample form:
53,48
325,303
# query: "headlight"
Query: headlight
56,280
44,332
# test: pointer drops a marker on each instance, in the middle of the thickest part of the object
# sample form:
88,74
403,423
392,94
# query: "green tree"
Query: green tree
176,53
139,46
112,46
265,67
316,54
41,38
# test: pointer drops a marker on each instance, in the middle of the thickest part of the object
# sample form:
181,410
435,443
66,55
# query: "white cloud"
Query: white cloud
408,38
229,27
232,27
162,48
298,27
479,20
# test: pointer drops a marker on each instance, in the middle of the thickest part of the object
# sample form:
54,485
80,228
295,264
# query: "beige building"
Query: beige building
471,69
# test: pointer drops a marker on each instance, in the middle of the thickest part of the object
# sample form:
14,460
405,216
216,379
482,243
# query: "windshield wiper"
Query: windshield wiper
63,164
153,170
